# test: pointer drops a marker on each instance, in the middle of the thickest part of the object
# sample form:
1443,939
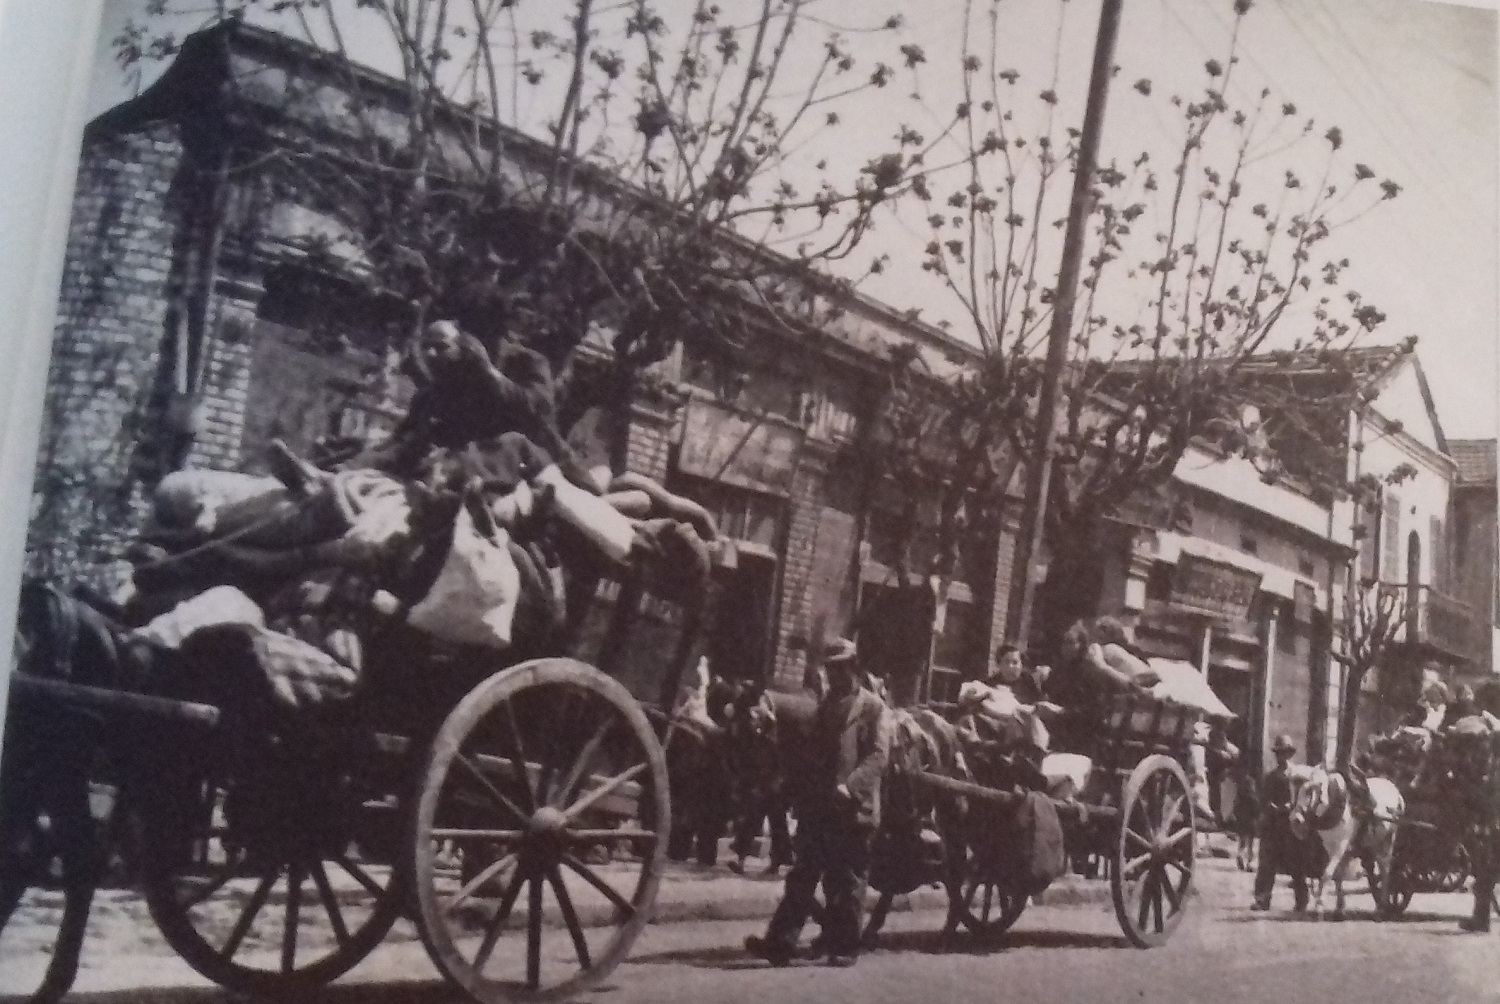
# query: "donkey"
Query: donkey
1349,822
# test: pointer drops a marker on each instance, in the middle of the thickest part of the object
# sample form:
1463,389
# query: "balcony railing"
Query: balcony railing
1452,627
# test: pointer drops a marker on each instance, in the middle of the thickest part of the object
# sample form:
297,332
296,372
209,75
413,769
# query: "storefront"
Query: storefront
1257,629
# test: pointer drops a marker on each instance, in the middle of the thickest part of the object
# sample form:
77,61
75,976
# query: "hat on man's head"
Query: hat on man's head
841,654
1283,744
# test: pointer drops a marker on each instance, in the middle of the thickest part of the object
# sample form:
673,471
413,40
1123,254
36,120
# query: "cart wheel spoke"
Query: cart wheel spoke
1140,840
1147,889
497,922
533,797
330,903
608,787
580,764
486,875
619,833
293,908
1134,865
989,896
1182,836
463,833
199,895
1174,897
490,789
1157,882
534,933
609,891
570,916
1173,812
248,914
359,875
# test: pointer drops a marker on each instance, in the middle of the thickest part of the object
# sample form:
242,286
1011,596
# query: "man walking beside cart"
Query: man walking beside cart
1280,851
837,817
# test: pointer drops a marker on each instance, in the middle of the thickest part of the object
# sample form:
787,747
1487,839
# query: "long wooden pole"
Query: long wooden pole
1039,470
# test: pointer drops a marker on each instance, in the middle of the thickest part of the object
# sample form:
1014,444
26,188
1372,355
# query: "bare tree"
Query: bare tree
1195,269
1374,614
627,171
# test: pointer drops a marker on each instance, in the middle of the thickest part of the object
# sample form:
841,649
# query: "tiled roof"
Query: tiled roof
1475,459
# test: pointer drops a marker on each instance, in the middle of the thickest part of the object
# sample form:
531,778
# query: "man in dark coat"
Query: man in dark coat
1280,851
837,817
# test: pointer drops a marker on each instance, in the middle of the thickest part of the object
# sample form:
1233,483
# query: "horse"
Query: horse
1348,821
913,813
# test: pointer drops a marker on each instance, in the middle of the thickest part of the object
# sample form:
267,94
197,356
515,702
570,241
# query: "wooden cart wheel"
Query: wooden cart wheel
1152,873
987,908
1455,873
547,780
1393,892
281,912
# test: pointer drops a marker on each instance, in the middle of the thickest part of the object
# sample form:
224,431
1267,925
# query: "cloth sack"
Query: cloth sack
473,599
195,505
1031,839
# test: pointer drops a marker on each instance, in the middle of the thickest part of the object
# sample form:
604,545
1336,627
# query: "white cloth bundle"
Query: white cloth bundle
1181,683
605,525
1074,768
473,600
214,607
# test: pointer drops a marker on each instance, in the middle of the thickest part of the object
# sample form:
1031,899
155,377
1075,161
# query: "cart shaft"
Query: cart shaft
79,695
1010,798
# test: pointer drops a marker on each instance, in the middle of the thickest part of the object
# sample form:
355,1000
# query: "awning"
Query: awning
1273,578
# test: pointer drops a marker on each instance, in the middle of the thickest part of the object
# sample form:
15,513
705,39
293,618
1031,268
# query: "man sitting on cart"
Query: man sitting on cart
837,817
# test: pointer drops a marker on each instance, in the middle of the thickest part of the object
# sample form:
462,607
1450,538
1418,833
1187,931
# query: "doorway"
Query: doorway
741,635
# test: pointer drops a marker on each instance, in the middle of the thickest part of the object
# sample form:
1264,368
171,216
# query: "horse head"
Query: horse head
1311,801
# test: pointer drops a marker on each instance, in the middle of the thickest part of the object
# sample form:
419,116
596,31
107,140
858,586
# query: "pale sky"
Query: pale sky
1411,84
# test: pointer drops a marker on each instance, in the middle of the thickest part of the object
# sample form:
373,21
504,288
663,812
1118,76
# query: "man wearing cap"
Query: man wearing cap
837,816
1280,850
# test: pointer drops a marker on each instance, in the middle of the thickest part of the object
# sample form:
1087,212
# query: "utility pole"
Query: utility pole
1039,470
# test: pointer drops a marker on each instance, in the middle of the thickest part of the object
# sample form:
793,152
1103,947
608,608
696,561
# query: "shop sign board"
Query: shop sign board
1213,588
747,451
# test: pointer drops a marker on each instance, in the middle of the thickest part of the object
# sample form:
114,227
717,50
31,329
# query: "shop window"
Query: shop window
738,513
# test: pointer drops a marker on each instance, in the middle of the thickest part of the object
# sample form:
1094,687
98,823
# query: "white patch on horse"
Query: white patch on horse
1325,805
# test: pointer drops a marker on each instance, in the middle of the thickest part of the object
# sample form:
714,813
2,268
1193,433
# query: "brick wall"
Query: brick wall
1005,555
805,508
226,393
103,389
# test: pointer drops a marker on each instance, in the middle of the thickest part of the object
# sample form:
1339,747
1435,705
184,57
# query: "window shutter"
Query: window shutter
1439,546
1390,531
1369,544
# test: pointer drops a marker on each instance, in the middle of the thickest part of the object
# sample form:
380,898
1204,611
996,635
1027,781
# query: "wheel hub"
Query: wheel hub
547,821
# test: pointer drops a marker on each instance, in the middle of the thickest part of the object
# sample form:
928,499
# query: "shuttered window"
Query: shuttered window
1439,545
1391,569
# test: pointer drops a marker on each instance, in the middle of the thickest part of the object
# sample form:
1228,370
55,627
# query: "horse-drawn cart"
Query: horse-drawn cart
517,813
1135,813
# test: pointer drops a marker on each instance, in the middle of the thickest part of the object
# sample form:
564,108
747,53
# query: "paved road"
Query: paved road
1222,954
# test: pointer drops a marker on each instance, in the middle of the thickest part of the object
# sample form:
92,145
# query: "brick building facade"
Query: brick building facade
183,340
